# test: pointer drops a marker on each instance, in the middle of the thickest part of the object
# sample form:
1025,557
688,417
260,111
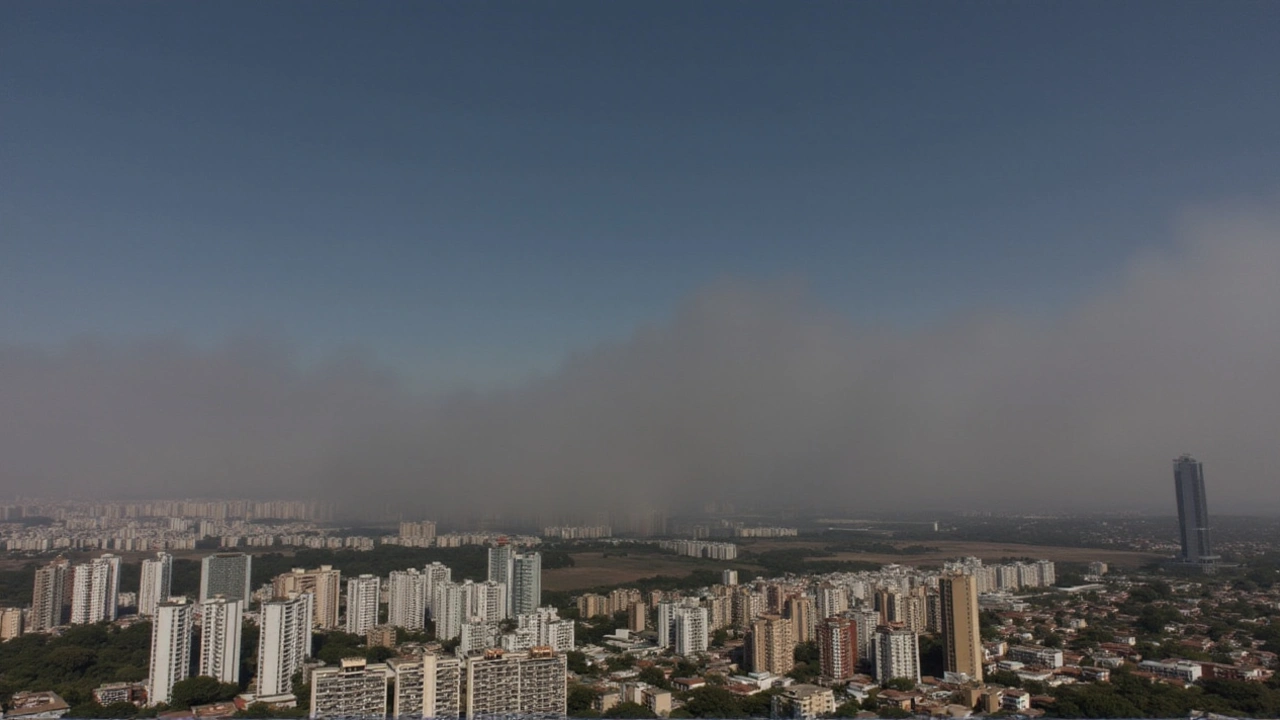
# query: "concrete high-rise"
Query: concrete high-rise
501,683
526,583
362,603
157,580
284,642
866,621
47,595
95,590
690,630
11,623
961,640
226,574
220,625
800,611
427,686
838,648
897,653
502,565
353,688
324,583
772,645
407,599
170,649
1193,510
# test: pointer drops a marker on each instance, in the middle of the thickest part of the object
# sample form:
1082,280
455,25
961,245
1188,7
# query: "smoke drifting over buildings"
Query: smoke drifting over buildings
749,390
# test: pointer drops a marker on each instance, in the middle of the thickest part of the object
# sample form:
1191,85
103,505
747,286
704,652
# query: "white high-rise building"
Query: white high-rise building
865,622
170,649
437,575
831,600
95,590
451,605
362,603
526,583
690,624
501,567
157,579
544,628
666,620
407,599
220,626
284,642
477,635
897,654
729,577
226,574
489,601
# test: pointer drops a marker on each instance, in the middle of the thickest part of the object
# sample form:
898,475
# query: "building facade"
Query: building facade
226,574
962,643
170,649
362,603
284,642
407,599
324,584
1193,510
838,648
157,579
897,654
354,688
220,627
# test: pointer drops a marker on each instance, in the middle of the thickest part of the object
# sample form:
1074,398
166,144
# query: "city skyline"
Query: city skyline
860,248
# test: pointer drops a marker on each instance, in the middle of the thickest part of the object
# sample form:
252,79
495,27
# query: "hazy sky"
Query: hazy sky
721,243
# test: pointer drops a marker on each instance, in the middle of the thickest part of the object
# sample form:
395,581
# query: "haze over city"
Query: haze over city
600,255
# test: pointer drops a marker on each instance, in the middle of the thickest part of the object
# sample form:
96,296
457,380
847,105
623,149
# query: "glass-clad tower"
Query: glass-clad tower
1193,510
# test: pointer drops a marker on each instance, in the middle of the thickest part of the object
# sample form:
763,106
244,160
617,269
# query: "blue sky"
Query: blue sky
472,190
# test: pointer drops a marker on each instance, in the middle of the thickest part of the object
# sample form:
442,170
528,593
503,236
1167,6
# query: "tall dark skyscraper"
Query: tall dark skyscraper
1193,510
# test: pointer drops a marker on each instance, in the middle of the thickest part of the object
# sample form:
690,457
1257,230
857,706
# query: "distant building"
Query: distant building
897,654
157,579
729,577
866,621
961,640
220,626
381,636
170,649
324,584
226,574
36,705
362,603
284,642
11,623
502,566
1036,655
1193,510
352,689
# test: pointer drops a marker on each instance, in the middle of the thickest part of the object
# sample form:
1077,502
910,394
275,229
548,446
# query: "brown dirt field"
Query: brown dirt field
591,569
